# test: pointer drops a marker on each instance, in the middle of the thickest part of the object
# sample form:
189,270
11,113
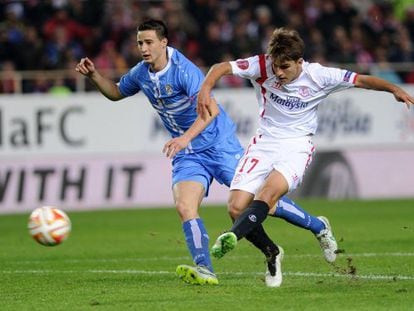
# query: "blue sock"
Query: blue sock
294,214
197,239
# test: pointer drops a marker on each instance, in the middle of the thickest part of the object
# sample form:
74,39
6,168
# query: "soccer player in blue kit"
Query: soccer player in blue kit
290,91
201,150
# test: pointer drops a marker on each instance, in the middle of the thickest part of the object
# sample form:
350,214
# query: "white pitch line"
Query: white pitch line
377,254
167,258
145,272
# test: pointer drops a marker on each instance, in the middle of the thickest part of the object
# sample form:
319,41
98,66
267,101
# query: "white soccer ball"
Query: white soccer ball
49,225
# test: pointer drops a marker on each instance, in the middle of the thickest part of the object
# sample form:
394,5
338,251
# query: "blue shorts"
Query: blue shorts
218,162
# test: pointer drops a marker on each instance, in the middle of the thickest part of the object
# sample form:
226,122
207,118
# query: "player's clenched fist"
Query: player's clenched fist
85,67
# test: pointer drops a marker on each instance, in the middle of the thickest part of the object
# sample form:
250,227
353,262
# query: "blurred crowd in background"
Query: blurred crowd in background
52,35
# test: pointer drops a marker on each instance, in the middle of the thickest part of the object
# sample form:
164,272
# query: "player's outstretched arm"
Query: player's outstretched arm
375,83
205,105
107,87
175,145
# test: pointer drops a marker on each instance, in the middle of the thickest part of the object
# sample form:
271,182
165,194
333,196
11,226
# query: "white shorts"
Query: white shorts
289,156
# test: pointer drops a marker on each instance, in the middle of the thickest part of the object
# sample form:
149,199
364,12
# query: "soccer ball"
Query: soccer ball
49,225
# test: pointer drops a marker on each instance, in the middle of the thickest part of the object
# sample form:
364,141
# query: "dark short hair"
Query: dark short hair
286,45
157,25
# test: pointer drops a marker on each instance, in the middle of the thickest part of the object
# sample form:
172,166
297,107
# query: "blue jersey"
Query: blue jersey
173,94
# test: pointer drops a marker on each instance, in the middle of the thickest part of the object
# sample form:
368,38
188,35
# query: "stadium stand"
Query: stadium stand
41,41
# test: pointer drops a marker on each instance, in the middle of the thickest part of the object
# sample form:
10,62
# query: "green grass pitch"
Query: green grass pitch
126,260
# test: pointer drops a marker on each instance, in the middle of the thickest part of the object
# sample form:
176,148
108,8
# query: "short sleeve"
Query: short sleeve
332,78
247,68
127,84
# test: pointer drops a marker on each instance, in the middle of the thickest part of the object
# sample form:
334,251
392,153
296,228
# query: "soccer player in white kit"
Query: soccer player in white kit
288,90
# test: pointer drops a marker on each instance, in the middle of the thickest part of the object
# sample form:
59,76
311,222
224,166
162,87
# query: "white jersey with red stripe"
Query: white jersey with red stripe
290,110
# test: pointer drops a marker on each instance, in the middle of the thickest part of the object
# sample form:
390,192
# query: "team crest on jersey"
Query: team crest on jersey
237,179
169,89
277,85
242,64
304,91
